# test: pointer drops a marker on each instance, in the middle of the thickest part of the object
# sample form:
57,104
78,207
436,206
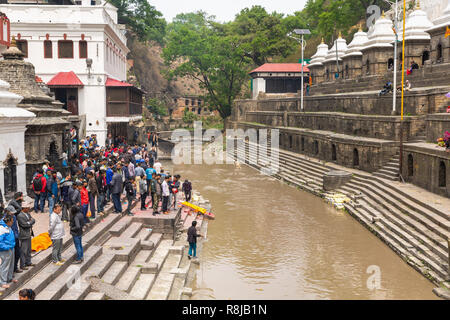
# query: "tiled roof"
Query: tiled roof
280,67
62,79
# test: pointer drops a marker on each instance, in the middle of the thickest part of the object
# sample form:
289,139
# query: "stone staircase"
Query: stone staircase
124,253
414,230
390,171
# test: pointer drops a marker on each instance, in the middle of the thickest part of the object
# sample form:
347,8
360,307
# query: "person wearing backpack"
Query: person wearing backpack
39,186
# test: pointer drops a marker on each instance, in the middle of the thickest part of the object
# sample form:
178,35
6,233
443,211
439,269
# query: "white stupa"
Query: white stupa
443,20
341,45
359,40
416,25
382,34
319,56
13,121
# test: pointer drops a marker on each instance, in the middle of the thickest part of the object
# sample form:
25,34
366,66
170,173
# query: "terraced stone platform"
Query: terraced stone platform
125,257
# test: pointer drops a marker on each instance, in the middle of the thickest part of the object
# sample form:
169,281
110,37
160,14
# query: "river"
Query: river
273,241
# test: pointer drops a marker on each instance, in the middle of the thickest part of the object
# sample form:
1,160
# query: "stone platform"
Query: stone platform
125,258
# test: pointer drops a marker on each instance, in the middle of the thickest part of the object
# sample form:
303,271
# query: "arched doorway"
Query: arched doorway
303,144
10,175
355,157
368,66
333,152
439,53
410,166
442,175
391,64
53,155
290,142
425,56
316,147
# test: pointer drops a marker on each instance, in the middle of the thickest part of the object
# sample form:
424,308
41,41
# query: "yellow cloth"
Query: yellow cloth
41,242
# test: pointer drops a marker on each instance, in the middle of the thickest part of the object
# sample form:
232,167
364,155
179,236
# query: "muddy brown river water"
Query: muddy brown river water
273,241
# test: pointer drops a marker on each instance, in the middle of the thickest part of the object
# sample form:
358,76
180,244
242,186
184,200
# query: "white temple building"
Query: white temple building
13,121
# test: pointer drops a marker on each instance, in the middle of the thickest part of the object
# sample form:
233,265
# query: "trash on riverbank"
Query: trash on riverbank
336,199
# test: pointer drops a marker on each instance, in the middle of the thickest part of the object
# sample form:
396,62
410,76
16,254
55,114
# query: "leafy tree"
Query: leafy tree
142,18
263,34
189,117
157,107
200,48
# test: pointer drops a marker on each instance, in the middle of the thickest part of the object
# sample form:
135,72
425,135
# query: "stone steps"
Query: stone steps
144,234
59,285
113,274
143,285
132,230
45,272
128,278
95,296
164,281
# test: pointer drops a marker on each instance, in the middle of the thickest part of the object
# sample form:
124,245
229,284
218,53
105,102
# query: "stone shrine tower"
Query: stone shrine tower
45,137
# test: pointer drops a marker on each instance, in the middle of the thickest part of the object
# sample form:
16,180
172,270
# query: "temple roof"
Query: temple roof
359,40
416,24
341,45
442,21
319,56
382,34
280,67
65,79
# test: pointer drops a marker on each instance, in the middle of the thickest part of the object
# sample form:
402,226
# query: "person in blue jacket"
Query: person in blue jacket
109,175
7,244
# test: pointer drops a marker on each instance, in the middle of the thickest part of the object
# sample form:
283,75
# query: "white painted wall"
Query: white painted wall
13,121
259,84
99,26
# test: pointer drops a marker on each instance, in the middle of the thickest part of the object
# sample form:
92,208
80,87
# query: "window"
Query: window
442,175
48,50
368,66
83,49
290,142
303,144
333,152
410,166
316,147
186,102
425,56
439,53
22,45
355,157
65,49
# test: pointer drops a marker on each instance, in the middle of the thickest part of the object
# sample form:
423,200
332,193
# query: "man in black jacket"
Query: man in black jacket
192,239
101,190
25,222
76,230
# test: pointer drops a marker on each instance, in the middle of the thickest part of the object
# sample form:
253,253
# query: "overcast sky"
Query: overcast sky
224,10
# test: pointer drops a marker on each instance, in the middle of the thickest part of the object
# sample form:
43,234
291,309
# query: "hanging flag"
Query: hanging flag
447,32
310,81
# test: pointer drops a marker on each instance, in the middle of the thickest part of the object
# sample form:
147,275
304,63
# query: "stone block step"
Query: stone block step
143,285
58,286
129,278
155,238
161,253
164,281
144,234
385,176
132,230
117,229
95,296
114,272
142,257
392,173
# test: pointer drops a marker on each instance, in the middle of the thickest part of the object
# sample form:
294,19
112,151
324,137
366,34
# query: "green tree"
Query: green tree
263,34
156,107
200,48
142,18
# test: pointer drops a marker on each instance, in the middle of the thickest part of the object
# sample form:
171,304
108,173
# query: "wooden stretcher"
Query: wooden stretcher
198,209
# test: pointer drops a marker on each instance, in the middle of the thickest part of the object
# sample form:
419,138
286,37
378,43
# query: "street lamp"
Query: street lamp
300,32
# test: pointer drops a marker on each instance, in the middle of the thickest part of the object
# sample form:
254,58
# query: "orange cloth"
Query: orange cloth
41,242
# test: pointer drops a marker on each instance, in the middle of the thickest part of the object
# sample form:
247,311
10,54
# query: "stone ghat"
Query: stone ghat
371,153
125,258
411,221
372,126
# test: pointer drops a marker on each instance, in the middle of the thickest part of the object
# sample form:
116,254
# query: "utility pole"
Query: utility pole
394,94
403,91
301,32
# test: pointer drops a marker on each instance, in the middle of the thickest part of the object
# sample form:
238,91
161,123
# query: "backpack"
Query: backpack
37,184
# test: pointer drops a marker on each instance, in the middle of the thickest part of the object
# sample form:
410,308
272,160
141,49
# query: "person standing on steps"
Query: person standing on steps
39,186
157,189
187,189
116,190
143,192
56,232
25,222
66,191
92,193
101,188
84,201
165,195
76,230
192,239
7,244
129,190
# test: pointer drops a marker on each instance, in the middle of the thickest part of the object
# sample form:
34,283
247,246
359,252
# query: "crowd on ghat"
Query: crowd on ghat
90,179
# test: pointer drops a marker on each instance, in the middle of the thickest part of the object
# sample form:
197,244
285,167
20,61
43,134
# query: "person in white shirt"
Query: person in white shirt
56,231
165,195
157,166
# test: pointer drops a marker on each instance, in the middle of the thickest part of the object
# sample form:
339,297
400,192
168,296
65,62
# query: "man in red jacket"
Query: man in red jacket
39,185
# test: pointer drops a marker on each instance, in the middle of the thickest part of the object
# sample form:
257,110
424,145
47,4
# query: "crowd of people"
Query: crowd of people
79,191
